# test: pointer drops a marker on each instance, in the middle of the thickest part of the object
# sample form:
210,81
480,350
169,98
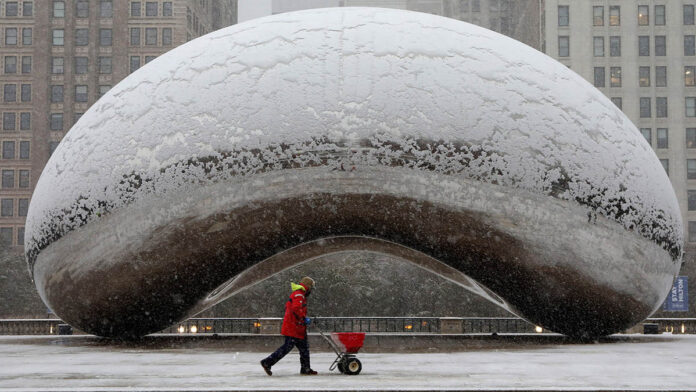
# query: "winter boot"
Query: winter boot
266,369
308,372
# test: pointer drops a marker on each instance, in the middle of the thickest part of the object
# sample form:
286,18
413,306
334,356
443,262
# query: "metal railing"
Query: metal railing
415,325
29,326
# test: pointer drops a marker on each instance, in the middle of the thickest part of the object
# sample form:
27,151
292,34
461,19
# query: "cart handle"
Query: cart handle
328,340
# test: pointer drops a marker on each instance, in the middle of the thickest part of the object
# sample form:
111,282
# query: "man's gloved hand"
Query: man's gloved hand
307,320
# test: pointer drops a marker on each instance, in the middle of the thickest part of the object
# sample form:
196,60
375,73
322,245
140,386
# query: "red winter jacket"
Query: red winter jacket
295,312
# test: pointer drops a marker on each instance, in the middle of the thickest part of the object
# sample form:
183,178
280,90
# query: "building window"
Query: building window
167,36
615,46
563,46
7,207
52,147
149,58
690,137
10,93
24,121
8,179
11,36
81,65
77,117
26,64
105,37
643,45
24,150
6,236
643,15
57,65
56,94
150,36
563,16
11,8
22,207
614,15
598,15
10,64
689,79
27,8
56,123
662,138
690,106
615,76
618,102
26,36
81,93
105,65
598,44
665,165
58,36
660,45
691,196
135,8
103,89
599,77
661,76
645,107
81,37
644,76
82,8
20,236
106,9
151,8
9,121
691,169
134,63
8,150
25,94
135,36
659,15
688,14
647,134
167,8
689,45
24,178
58,9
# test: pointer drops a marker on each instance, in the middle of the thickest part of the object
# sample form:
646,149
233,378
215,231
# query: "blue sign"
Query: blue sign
678,298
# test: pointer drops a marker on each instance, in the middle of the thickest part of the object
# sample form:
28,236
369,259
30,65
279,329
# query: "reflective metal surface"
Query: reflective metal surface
267,144
126,275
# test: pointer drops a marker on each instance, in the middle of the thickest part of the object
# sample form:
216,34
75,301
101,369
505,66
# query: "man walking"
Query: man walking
294,328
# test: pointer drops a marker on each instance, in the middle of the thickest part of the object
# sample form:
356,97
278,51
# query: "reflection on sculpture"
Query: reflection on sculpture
269,143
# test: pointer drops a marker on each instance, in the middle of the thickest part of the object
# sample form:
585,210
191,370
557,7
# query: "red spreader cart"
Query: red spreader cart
346,346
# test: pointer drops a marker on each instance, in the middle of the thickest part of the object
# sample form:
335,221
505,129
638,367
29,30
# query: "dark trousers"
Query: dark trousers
283,350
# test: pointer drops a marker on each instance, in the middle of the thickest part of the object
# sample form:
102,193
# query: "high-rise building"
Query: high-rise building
58,57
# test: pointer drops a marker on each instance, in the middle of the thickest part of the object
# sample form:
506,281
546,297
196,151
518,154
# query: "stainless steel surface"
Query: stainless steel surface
141,269
266,144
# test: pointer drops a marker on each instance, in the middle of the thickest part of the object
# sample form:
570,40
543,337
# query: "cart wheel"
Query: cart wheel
341,368
353,366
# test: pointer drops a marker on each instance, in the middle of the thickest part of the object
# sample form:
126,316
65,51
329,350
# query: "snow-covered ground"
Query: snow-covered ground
664,362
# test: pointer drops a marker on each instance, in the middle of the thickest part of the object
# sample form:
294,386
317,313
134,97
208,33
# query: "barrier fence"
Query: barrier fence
415,325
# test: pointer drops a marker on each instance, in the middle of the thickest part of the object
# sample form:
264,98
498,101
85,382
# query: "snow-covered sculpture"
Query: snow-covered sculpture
268,143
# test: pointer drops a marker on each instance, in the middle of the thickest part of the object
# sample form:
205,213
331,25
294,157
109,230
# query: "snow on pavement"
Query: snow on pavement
640,363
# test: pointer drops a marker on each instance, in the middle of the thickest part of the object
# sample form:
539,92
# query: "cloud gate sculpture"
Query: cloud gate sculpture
273,142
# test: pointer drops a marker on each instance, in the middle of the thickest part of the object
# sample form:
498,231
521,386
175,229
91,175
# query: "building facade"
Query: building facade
58,57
